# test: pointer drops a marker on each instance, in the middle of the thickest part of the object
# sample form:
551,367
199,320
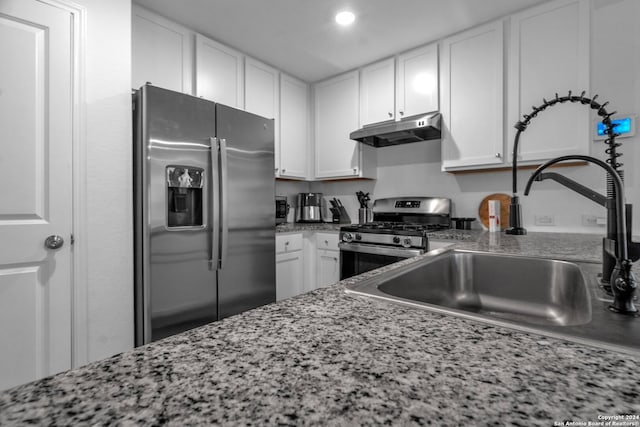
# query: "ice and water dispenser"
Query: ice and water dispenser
184,196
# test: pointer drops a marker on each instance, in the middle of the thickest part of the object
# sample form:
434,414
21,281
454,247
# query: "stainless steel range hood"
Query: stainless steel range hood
414,129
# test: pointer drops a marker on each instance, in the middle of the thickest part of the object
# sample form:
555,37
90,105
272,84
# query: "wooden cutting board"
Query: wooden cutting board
483,210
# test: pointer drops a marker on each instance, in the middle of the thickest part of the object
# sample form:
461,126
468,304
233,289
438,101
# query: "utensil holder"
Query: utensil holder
365,215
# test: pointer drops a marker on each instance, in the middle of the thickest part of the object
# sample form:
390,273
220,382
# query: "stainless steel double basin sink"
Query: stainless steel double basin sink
546,296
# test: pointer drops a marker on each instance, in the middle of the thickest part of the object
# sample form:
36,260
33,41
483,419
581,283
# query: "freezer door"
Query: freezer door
177,287
246,277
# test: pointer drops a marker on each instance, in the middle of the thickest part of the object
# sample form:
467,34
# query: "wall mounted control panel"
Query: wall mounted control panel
625,126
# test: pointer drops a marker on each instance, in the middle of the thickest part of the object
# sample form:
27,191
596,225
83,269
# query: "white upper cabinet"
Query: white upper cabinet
549,54
417,82
472,98
262,96
377,92
161,52
261,89
294,129
219,73
336,116
395,89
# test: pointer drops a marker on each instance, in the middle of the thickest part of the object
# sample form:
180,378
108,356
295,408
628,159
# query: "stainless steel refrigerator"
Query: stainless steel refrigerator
204,217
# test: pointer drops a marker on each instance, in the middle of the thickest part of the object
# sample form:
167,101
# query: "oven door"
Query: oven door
356,258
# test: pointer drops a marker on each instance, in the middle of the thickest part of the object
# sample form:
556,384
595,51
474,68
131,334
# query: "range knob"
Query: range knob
406,242
347,237
358,236
396,240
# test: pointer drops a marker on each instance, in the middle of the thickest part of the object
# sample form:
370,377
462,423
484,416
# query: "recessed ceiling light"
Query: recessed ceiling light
345,18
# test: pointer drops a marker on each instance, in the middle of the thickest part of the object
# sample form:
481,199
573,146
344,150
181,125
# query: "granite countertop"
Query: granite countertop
578,247
330,358
291,227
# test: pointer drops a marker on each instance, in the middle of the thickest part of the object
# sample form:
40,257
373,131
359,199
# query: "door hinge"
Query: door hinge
72,239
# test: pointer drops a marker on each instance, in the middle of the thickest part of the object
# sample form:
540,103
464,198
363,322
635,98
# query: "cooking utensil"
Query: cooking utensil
363,199
365,215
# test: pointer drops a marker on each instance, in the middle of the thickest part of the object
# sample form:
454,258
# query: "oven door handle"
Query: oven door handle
380,250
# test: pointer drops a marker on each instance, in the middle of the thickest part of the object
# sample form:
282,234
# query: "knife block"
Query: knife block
340,215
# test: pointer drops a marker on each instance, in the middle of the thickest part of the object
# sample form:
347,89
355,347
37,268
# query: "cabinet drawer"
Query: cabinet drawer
327,241
288,243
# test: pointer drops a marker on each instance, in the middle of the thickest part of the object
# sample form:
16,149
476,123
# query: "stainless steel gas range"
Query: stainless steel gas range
398,231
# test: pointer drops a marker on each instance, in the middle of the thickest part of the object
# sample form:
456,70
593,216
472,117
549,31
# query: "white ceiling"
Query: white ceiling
301,37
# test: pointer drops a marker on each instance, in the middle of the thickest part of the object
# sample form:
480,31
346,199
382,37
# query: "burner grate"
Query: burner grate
398,226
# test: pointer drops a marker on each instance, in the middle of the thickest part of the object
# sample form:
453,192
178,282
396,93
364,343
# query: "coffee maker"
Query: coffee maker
309,207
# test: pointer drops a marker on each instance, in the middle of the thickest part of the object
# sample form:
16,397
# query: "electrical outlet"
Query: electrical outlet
544,220
593,220
589,220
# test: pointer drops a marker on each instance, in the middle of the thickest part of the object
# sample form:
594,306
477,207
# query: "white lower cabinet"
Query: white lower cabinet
306,261
327,259
289,275
289,265
327,267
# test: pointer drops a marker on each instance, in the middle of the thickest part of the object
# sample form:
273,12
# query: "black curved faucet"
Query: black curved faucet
623,282
515,210
618,249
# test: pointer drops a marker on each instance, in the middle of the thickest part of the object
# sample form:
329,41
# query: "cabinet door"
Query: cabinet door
550,54
417,82
472,93
328,267
261,89
262,96
294,127
161,52
219,73
289,275
336,116
328,241
377,89
288,242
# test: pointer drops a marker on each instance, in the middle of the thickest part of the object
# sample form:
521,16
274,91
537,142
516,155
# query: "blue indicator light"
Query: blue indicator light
622,126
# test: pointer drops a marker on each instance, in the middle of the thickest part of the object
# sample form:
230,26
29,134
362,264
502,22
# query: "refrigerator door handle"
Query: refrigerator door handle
223,203
214,205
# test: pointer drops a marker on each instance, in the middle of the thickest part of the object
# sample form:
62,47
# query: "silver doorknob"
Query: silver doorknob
53,242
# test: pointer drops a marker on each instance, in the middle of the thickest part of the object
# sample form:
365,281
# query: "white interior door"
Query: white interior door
35,190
